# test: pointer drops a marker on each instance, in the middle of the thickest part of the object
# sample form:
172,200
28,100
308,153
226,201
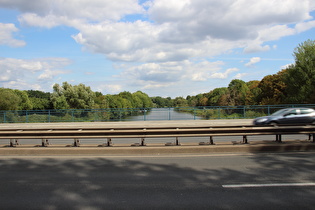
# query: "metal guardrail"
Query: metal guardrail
153,132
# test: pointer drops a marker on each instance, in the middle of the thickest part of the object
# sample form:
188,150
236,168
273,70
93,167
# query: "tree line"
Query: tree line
67,96
295,84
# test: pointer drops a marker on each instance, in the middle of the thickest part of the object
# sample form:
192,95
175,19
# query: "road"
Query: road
220,181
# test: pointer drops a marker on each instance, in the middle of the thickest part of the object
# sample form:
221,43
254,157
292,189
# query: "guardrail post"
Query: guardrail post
245,140
177,142
11,143
211,140
45,142
14,142
278,138
76,143
109,142
142,142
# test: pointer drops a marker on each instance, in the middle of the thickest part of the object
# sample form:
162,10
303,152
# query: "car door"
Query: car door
304,116
289,117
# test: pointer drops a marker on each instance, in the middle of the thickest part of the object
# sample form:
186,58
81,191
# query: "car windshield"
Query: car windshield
279,112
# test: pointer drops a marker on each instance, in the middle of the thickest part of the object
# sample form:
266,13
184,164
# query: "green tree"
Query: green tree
40,100
272,89
300,76
74,97
24,103
146,101
180,102
252,96
237,90
215,95
9,100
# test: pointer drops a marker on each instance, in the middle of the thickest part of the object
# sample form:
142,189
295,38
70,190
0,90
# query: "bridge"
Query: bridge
207,130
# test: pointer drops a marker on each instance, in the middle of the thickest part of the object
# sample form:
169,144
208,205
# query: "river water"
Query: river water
163,114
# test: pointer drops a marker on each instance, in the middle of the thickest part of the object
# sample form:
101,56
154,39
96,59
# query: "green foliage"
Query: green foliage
238,90
300,77
272,89
39,100
160,102
9,99
215,95
180,102
74,97
24,103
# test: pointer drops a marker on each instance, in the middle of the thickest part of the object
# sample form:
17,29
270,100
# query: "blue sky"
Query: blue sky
161,47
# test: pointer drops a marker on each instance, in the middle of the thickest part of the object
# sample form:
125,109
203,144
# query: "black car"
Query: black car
288,116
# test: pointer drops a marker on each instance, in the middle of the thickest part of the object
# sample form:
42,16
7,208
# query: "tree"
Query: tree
237,91
215,95
144,98
300,76
25,103
180,102
272,89
252,97
74,97
9,99
40,100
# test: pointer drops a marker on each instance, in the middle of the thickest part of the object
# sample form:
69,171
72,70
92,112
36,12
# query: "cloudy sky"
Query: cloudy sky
161,47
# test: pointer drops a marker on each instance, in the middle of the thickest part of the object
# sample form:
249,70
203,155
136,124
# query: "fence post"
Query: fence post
244,112
169,113
72,115
219,113
26,116
144,114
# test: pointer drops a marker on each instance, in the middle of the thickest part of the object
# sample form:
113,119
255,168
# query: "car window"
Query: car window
279,112
306,111
292,112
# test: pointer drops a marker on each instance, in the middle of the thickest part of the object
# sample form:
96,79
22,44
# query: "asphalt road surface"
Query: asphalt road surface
220,181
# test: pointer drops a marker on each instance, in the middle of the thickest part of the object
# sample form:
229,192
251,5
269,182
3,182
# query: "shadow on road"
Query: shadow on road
101,183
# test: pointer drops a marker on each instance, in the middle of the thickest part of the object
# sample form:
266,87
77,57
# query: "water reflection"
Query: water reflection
163,114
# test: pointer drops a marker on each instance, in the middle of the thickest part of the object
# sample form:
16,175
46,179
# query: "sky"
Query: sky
166,48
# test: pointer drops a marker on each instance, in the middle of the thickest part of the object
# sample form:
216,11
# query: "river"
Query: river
163,114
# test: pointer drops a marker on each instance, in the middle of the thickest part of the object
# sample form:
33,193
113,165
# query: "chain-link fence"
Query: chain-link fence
178,113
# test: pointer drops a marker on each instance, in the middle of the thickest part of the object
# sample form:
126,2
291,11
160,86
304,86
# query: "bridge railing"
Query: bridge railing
142,114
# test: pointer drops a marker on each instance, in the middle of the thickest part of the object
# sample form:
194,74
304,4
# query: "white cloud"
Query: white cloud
240,75
32,72
224,75
166,42
6,37
109,88
253,61
86,10
155,76
170,30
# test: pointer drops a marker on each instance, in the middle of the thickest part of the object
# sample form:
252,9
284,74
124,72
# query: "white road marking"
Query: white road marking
269,185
